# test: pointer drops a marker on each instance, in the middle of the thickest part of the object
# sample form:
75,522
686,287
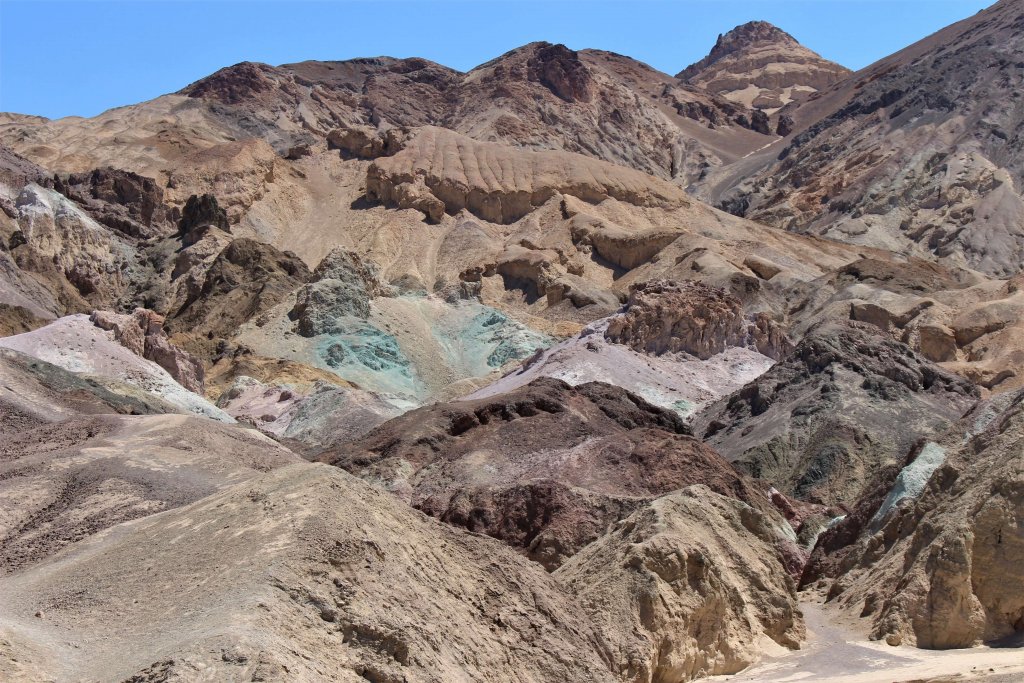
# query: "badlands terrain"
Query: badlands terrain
558,369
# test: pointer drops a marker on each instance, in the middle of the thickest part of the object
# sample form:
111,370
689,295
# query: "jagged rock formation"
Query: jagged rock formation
342,285
143,333
121,200
916,153
966,323
820,423
244,280
693,318
560,247
199,214
439,172
79,259
939,565
545,467
762,67
665,594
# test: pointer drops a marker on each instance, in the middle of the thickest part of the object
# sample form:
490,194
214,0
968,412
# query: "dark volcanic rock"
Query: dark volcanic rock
246,278
846,402
234,84
201,213
121,200
561,70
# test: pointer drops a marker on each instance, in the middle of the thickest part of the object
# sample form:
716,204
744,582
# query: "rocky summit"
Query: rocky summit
560,368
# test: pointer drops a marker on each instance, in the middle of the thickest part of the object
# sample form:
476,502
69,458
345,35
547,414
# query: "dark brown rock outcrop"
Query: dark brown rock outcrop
545,467
200,214
121,200
561,70
245,279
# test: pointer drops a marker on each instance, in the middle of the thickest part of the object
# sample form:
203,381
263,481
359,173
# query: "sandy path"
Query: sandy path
835,653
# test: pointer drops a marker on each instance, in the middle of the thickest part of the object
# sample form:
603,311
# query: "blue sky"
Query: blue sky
80,58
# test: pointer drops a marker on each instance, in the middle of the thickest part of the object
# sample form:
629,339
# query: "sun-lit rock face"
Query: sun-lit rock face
916,153
598,428
762,67
933,556
687,604
439,172
692,318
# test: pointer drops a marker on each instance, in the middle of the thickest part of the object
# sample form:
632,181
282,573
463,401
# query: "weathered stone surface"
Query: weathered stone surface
675,602
142,333
309,560
915,154
201,212
846,402
121,200
942,567
499,184
245,279
342,286
693,318
364,142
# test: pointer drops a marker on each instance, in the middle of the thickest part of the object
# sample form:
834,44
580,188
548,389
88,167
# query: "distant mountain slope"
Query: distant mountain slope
919,153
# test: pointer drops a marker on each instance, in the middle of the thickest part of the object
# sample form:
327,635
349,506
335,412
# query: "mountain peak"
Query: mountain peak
748,34
759,65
